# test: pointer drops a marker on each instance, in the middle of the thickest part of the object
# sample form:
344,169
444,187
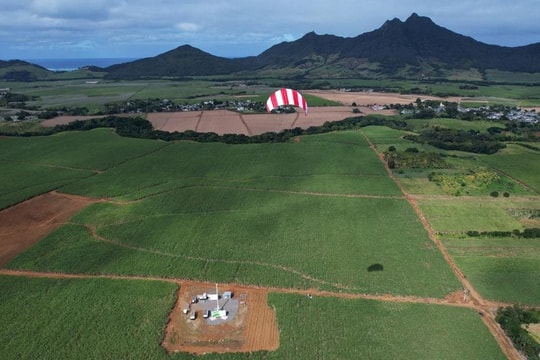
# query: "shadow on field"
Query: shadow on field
375,267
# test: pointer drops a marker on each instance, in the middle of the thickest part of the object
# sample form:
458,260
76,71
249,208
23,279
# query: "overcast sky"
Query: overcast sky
32,29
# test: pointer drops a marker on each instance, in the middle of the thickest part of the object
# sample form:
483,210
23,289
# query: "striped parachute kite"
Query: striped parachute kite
286,97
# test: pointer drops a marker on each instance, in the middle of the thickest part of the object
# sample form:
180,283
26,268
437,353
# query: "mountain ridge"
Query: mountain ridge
413,48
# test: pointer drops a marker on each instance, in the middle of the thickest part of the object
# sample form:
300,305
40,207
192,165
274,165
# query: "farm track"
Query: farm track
206,260
249,132
480,304
485,310
455,300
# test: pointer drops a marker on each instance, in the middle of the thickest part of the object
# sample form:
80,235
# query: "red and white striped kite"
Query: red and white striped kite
286,97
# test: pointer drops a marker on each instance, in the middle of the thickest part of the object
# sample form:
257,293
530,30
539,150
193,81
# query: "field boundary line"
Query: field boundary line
281,290
313,193
249,133
287,269
199,119
96,171
525,185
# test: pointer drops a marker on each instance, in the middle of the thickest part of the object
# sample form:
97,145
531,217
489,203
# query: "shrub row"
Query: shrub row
138,127
526,234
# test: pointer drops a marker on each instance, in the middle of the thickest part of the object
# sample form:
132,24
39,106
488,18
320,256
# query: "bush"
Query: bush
511,318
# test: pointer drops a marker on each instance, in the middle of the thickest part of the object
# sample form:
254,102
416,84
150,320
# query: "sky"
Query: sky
38,29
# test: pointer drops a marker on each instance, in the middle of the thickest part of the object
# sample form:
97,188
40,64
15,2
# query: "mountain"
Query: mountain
397,45
182,61
418,39
409,48
414,48
18,70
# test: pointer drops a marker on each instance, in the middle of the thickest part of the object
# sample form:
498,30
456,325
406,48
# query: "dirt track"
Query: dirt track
470,294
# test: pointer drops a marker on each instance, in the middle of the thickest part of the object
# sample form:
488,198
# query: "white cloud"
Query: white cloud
188,27
69,9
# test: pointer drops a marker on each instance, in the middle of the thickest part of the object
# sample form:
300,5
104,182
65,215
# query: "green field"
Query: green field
22,181
462,215
330,164
297,210
519,162
314,329
101,318
507,269
317,213
83,319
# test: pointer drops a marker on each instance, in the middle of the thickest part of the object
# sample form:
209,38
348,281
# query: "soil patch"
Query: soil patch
369,98
252,327
24,224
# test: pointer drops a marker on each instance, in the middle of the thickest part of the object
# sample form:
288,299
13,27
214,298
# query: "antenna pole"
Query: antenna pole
217,298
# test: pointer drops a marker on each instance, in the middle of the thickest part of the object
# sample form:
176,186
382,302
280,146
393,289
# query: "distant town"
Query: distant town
419,109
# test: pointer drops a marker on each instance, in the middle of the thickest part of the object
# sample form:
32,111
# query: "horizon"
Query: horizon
61,30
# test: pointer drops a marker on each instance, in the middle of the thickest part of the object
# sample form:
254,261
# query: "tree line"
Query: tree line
138,127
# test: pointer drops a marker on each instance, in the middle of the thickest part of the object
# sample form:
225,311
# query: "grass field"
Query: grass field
309,241
456,124
328,164
316,213
500,269
296,209
514,168
100,318
83,319
519,162
22,181
314,329
506,269
463,215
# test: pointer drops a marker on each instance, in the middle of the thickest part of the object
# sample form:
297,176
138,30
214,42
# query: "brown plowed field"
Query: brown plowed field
229,122
24,224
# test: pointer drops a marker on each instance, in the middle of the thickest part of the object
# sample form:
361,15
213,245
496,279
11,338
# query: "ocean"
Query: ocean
74,64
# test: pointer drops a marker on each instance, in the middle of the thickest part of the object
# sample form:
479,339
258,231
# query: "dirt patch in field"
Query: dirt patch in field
66,119
24,224
252,328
